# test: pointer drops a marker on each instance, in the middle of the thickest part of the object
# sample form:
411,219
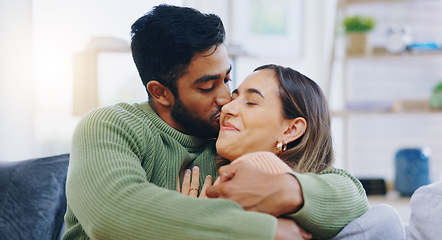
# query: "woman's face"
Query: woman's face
253,120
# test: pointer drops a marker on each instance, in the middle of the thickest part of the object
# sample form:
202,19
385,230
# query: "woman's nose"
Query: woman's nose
229,108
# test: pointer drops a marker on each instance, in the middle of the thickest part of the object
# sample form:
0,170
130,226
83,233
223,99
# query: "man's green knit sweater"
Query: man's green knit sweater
124,165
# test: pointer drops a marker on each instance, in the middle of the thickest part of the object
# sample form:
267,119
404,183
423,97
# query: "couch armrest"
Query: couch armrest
32,198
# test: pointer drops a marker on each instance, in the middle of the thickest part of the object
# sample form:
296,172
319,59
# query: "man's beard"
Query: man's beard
194,125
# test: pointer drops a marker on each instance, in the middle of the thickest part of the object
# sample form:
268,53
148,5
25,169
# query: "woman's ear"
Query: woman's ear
160,93
295,129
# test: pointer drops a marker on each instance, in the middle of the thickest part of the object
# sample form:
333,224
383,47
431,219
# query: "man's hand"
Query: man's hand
258,191
289,229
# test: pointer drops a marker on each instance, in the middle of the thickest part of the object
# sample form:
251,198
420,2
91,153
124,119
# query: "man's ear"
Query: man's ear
160,93
296,128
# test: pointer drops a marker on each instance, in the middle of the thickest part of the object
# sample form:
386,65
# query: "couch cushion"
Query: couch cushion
426,212
380,222
32,198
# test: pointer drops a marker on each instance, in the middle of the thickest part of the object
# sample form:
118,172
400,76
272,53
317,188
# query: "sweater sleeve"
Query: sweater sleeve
110,196
332,199
266,161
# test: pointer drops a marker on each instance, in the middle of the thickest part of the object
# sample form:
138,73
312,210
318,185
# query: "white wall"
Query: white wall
16,80
60,29
38,38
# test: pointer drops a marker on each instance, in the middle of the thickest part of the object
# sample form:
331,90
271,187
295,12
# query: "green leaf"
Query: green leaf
359,24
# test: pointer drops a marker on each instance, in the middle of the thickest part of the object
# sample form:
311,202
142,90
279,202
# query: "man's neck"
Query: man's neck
165,114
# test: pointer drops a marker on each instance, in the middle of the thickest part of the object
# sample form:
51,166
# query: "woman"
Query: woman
278,120
278,110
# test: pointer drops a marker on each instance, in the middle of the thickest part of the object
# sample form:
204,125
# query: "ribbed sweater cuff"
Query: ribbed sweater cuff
330,203
266,161
314,211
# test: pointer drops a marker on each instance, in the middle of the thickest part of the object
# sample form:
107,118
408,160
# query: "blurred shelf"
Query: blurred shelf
420,53
386,55
396,107
345,113
348,2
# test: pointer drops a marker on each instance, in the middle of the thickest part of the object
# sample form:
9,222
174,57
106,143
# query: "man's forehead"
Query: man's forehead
206,66
206,77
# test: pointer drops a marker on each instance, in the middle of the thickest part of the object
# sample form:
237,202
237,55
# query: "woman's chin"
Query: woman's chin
225,155
226,149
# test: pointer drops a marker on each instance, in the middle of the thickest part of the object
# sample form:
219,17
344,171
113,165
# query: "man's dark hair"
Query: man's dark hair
165,40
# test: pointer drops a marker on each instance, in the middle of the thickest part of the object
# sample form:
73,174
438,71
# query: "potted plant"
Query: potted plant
436,97
356,28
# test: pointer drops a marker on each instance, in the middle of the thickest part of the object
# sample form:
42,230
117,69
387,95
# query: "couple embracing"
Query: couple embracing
273,132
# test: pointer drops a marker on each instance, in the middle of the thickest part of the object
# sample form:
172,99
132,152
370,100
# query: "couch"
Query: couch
33,204
426,213
32,198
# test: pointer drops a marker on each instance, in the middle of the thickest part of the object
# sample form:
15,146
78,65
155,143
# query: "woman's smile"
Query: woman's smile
228,127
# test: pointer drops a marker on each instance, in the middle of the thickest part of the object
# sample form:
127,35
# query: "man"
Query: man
125,157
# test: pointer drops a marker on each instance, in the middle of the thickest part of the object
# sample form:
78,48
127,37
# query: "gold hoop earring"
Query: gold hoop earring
281,146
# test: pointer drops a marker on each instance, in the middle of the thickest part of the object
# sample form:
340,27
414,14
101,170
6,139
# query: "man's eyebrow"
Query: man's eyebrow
206,78
250,91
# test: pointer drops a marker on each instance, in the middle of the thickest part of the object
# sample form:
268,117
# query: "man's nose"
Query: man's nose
223,96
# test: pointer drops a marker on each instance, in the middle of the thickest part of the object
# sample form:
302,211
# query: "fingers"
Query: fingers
227,172
195,184
191,184
289,229
207,183
186,182
212,192
306,235
178,189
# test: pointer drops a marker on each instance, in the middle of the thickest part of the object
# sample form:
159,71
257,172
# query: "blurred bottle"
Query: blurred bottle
398,39
412,169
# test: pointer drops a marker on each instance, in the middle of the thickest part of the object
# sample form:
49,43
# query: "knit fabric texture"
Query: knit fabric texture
266,161
124,160
124,165
331,200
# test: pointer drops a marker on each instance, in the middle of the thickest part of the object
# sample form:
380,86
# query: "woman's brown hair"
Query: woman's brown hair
302,97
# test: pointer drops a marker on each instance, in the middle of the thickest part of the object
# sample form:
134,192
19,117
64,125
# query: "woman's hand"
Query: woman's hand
191,184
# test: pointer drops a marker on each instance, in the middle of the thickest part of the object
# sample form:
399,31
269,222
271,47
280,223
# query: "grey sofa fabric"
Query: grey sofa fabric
426,213
32,198
380,222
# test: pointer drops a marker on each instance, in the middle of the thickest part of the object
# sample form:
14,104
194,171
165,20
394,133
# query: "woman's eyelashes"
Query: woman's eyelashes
252,100
247,101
